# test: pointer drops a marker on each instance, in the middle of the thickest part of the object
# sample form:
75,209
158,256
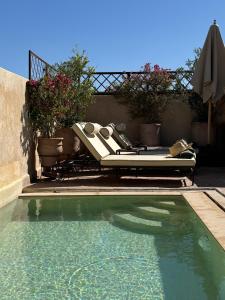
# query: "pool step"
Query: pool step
167,205
166,216
151,212
137,224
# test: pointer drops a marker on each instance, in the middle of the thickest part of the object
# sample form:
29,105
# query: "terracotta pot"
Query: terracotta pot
199,133
71,142
49,150
150,134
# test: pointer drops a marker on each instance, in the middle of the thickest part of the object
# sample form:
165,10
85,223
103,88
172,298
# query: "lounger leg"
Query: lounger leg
117,171
193,171
41,172
189,174
136,173
183,173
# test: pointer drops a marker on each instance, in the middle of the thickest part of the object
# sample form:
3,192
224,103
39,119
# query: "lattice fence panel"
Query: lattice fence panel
38,68
111,82
106,83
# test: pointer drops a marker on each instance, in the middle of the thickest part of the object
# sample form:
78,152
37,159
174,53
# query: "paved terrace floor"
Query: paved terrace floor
205,178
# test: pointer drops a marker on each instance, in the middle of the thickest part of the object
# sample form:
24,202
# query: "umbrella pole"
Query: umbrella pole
209,121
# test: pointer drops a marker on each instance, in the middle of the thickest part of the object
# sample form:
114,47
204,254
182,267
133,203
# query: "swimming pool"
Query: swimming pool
107,247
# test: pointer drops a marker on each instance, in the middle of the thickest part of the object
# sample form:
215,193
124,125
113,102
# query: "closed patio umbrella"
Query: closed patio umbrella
209,75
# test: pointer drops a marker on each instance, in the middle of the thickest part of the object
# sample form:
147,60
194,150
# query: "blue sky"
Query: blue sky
117,35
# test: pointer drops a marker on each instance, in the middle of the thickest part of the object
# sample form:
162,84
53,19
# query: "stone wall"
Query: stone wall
17,163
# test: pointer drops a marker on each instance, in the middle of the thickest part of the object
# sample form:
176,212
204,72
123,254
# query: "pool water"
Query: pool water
107,247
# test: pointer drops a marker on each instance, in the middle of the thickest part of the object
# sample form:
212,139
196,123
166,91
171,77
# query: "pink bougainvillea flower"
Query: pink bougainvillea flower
32,82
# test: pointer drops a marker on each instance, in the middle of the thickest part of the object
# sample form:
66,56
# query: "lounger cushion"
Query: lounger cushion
91,141
92,128
106,131
108,141
159,160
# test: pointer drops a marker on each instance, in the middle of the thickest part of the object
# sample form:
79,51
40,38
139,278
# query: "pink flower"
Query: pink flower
33,82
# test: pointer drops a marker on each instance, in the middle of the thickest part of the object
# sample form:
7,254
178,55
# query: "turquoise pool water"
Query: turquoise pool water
111,247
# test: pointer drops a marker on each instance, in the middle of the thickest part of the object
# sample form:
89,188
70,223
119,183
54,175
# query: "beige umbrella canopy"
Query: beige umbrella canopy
209,75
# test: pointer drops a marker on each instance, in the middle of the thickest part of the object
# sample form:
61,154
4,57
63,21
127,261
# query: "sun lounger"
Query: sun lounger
105,159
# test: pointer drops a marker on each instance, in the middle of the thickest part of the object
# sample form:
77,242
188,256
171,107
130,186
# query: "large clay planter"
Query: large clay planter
49,150
150,134
71,142
199,133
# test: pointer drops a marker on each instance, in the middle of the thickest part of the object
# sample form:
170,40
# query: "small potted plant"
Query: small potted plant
146,96
49,101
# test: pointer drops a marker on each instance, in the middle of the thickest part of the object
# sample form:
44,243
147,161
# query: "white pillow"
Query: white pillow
91,128
106,131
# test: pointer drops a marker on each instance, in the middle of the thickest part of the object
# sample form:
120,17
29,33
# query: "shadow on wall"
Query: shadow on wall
176,122
28,141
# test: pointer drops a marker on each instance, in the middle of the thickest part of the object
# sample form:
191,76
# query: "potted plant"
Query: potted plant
78,70
49,101
146,95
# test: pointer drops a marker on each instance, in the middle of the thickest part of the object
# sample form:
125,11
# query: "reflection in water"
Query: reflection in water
38,207
204,243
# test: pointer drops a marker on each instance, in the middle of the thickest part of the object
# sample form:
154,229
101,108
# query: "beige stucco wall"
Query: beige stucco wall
176,119
16,161
108,109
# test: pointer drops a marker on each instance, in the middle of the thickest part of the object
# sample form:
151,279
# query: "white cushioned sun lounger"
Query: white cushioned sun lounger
102,154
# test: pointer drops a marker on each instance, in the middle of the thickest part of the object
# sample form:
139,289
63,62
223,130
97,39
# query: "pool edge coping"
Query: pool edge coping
209,213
